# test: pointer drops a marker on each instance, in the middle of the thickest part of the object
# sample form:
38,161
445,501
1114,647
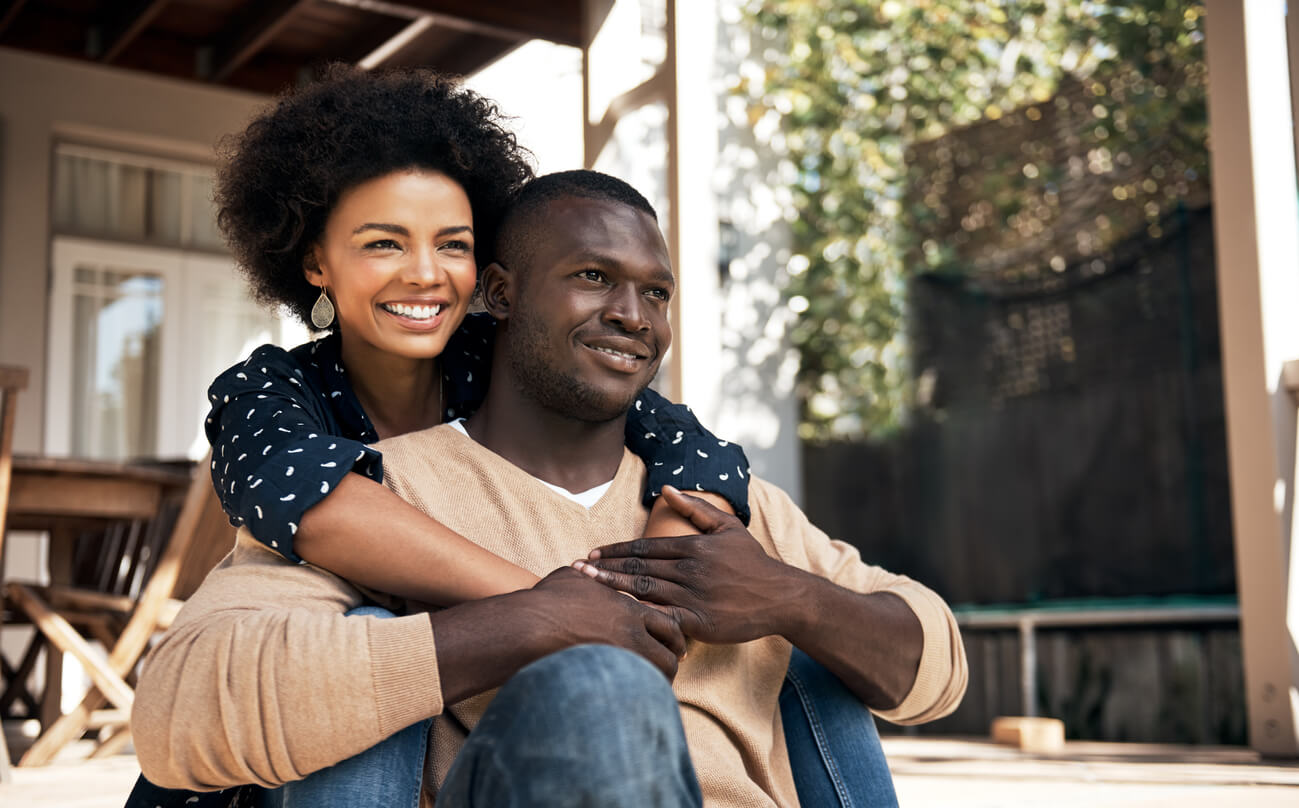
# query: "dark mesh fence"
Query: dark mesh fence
1071,441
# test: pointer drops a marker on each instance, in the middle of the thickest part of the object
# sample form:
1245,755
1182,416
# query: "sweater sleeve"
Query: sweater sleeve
264,679
942,675
272,455
679,451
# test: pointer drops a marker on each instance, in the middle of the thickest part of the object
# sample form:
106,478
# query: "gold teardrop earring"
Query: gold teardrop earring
322,314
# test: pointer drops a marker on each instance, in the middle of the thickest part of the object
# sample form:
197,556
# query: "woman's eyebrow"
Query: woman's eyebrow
395,229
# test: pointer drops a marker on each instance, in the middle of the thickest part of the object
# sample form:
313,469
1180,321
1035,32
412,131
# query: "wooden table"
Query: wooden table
66,497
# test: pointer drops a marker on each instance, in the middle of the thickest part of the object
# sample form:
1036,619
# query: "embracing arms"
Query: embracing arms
291,462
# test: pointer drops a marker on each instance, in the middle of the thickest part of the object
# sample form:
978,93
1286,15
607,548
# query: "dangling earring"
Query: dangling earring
322,314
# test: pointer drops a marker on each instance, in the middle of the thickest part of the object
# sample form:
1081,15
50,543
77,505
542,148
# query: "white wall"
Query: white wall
42,100
757,404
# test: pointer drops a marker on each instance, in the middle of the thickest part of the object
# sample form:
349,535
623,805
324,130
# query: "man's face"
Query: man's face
588,325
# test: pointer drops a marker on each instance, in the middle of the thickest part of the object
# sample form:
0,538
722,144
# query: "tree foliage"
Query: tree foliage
859,85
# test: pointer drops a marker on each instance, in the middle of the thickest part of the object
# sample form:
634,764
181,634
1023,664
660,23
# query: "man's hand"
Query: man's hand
721,586
665,521
568,609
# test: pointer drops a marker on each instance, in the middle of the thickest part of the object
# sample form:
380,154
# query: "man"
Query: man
288,686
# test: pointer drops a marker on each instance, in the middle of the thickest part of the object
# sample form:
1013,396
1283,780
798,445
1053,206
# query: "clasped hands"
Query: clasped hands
720,585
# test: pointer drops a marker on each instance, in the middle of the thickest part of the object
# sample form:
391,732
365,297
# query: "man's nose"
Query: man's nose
628,309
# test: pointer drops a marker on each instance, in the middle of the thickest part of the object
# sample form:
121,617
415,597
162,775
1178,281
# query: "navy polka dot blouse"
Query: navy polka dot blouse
285,427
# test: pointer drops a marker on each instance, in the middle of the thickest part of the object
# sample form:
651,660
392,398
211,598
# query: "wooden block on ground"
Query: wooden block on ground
1029,734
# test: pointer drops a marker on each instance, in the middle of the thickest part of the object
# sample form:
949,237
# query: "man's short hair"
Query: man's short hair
523,222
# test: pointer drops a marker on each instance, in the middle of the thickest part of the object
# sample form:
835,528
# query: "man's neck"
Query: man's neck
572,454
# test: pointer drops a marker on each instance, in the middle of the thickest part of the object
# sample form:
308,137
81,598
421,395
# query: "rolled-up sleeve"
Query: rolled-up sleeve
272,455
679,451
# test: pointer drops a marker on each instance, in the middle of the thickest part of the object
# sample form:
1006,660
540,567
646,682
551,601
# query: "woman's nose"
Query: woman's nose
424,269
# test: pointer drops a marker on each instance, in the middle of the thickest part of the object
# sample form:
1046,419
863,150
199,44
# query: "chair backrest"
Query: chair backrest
214,538
12,380
202,535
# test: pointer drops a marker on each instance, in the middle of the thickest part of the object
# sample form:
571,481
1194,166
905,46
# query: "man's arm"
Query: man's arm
890,640
264,679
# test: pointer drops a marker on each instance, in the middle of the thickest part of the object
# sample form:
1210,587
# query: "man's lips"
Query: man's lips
620,347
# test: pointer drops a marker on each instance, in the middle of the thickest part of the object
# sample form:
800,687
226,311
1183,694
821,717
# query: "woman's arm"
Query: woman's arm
365,533
311,495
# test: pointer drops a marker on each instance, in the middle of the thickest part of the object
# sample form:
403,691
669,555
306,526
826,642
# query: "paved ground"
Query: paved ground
930,773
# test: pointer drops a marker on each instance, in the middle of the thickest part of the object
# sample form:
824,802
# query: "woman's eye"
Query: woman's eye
383,244
457,245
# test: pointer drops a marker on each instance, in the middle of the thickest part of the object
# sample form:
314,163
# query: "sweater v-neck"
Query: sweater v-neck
624,474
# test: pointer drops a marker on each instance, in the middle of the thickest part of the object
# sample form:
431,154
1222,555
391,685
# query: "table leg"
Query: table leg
61,545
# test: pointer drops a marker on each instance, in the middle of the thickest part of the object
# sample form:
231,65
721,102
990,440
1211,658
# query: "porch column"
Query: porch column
1256,228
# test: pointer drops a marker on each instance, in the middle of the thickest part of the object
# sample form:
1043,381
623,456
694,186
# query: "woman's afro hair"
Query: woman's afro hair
281,177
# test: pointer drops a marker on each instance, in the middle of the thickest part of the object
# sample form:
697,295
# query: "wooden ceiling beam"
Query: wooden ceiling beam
518,20
246,42
129,25
11,14
408,37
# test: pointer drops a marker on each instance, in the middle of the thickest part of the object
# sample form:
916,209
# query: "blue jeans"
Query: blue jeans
833,745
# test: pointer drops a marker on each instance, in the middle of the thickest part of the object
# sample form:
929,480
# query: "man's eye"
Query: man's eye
660,294
593,275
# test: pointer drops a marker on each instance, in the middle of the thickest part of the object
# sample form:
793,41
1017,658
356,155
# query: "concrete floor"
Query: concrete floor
929,773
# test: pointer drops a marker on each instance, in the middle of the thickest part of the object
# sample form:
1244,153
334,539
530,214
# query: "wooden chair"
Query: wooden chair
201,536
12,380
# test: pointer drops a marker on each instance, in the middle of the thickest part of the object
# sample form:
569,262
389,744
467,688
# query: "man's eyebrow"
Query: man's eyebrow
604,260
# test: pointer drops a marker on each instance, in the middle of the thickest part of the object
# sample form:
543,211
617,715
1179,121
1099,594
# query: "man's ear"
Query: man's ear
497,284
311,266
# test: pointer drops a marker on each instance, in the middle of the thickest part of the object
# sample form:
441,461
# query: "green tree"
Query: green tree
859,84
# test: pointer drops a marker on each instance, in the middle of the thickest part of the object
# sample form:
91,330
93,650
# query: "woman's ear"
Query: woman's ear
311,266
497,285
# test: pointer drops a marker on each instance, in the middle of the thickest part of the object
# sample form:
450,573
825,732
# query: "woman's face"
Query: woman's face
397,255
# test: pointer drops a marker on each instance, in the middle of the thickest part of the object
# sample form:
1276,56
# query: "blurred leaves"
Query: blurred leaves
858,85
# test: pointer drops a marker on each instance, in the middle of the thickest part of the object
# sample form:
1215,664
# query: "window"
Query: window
143,312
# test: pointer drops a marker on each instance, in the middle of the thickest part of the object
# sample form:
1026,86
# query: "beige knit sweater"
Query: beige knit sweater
262,679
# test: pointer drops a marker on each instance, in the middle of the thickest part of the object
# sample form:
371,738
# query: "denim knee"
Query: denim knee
592,725
599,676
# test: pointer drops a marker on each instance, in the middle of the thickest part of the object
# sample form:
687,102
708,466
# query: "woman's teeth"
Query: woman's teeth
413,312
